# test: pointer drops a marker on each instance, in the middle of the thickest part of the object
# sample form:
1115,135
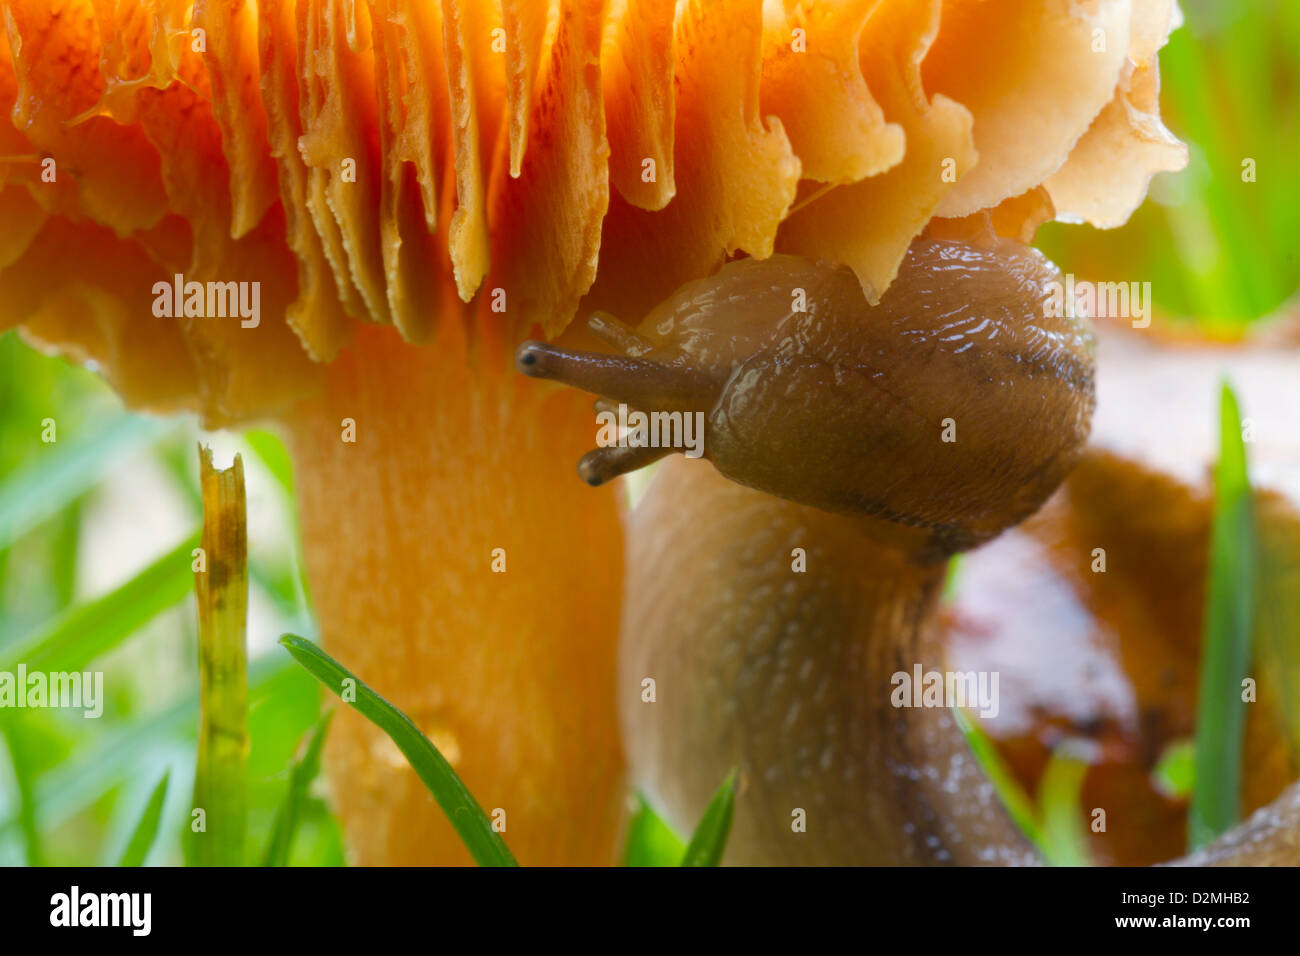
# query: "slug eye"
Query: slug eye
628,379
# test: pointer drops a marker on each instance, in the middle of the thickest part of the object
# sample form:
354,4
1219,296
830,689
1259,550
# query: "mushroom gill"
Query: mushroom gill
466,173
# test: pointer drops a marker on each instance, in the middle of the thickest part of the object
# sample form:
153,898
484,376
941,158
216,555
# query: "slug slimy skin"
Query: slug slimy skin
765,616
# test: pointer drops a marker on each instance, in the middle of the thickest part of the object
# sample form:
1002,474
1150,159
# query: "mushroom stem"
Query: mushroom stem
440,545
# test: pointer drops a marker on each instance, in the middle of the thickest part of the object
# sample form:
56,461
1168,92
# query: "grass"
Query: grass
219,823
68,469
1060,811
1226,654
301,774
88,630
1207,769
470,822
1053,820
146,831
1019,806
710,837
1174,774
1215,247
651,841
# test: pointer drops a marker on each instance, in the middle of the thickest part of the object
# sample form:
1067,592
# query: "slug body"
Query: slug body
864,445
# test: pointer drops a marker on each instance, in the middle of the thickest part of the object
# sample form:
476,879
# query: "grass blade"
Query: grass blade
651,841
1225,656
75,784
82,633
67,470
710,837
1065,838
1019,806
464,812
301,774
220,778
146,831
270,451
1174,774
23,763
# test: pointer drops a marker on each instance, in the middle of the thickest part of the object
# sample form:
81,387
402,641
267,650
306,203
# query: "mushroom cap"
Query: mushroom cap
388,161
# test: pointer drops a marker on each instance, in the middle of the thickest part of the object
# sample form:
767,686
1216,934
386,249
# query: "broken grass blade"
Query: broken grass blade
220,779
459,805
146,830
301,774
710,838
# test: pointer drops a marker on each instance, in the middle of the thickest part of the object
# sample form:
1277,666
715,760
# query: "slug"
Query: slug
770,599
935,419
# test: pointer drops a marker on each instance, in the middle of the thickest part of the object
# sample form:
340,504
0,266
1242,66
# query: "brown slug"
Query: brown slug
937,418
864,445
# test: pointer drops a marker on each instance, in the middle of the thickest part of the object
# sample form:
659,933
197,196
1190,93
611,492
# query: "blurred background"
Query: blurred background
87,523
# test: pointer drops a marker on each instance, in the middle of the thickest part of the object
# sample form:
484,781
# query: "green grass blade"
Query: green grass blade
301,774
75,784
710,837
82,633
146,831
68,469
651,841
1065,837
1225,656
1020,808
464,812
270,451
22,761
1174,774
221,774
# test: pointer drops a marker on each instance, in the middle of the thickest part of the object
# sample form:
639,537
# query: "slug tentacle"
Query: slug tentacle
632,381
622,336
605,464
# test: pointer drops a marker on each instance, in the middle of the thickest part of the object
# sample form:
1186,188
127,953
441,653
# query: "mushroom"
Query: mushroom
399,192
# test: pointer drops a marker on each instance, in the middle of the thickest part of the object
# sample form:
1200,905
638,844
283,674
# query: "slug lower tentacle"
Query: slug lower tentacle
864,444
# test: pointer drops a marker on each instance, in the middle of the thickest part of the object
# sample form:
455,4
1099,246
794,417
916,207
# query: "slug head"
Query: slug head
939,417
